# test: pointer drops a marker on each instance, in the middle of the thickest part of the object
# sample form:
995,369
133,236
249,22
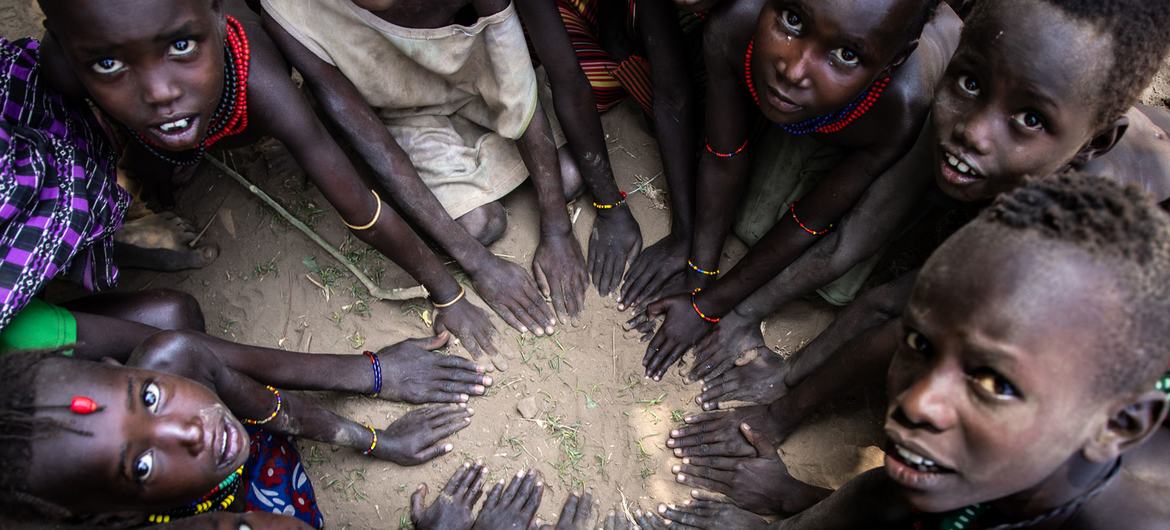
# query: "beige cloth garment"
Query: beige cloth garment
455,98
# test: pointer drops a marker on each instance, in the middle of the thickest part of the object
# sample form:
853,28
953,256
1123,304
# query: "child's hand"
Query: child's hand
511,293
721,349
681,328
614,242
559,268
415,438
470,325
708,512
414,374
511,508
576,514
718,434
759,483
656,265
756,377
452,510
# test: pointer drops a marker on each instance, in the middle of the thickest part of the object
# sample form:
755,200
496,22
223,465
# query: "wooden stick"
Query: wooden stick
376,291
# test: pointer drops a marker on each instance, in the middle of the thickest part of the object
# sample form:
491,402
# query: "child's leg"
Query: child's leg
486,223
112,325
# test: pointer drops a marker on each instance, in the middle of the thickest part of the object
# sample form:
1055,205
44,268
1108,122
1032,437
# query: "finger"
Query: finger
614,522
447,429
486,340
473,493
763,447
656,347
651,287
526,489
712,396
457,387
513,486
465,377
534,498
669,360
701,482
707,496
698,439
417,502
493,496
541,280
569,510
434,451
471,345
540,312
457,363
527,312
683,516
719,480
431,343
713,462
647,520
457,479
560,300
632,276
584,509
438,396
717,449
593,262
747,357
506,313
637,320
575,296
612,272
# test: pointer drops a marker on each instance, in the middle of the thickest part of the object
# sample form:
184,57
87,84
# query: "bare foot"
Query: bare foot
452,510
718,434
416,375
416,437
576,514
760,483
511,508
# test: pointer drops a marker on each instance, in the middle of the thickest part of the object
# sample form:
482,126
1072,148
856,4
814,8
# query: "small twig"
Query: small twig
204,231
374,290
613,350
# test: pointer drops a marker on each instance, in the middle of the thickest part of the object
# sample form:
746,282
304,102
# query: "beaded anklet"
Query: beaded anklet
695,306
270,417
811,232
602,206
376,364
732,154
696,268
373,444
219,498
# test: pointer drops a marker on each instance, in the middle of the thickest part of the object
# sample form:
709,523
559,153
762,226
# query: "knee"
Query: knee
571,179
486,223
176,310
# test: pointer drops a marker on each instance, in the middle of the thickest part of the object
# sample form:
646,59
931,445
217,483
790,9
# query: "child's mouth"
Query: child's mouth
912,469
176,135
782,103
230,444
956,170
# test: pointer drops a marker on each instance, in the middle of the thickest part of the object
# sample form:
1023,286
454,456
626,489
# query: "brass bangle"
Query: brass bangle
454,301
377,215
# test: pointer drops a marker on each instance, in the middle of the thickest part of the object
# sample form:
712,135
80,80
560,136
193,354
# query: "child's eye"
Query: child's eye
845,56
144,466
182,47
916,341
791,21
995,385
1029,120
969,85
151,396
107,66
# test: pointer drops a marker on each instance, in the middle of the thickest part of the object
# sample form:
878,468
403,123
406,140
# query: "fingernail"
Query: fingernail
674,432
553,322
523,329
549,330
487,380
466,465
670,443
464,397
478,389
694,492
448,447
520,473
661,508
681,478
706,388
678,452
674,469
689,418
657,378
687,461
539,483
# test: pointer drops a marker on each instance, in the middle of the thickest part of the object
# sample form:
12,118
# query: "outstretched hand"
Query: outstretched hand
726,343
470,325
452,510
513,507
414,373
559,269
706,511
513,295
654,267
718,434
417,436
576,514
614,242
681,328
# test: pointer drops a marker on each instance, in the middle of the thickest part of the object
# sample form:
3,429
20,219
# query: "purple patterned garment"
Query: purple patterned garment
60,202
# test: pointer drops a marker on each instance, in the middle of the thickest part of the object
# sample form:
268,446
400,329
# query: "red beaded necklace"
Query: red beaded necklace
829,123
231,115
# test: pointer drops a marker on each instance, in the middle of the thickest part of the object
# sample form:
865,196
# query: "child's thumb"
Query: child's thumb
433,343
764,448
416,503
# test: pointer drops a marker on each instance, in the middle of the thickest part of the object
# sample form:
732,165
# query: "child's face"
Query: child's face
812,58
156,67
1017,99
993,382
161,442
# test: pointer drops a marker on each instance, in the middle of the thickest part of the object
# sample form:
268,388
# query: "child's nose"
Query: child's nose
926,405
159,89
793,67
974,132
185,433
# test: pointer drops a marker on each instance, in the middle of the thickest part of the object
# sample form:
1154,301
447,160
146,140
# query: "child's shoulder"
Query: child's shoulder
1132,502
915,82
728,28
1142,156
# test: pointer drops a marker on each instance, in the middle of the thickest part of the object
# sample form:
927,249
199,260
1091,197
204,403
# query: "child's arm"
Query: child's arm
409,372
674,114
412,439
503,285
279,108
884,209
870,500
557,264
616,238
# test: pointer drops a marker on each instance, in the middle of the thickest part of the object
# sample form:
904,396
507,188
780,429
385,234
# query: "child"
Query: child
197,74
448,118
1003,61
1023,382
146,440
859,76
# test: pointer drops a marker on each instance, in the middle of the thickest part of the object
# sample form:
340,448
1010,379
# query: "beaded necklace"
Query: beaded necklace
828,123
962,519
219,498
231,115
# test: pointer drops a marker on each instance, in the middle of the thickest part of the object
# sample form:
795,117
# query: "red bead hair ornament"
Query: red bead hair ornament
84,406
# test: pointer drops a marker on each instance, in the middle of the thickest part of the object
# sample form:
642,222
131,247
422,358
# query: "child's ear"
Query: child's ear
900,59
1102,143
1128,427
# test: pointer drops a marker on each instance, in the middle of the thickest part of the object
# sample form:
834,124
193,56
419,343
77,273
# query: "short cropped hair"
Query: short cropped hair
1125,229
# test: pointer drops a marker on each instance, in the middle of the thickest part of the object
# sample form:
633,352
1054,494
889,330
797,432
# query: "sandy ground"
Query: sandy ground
602,425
